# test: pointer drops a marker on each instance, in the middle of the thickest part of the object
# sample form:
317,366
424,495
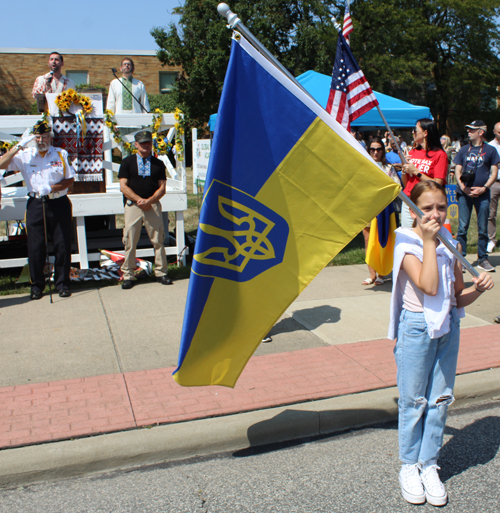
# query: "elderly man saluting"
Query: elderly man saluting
142,181
47,174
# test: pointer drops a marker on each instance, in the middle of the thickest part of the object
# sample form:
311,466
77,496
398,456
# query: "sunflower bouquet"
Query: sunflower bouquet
70,97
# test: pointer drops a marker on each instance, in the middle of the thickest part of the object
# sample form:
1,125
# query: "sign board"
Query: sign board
201,155
451,195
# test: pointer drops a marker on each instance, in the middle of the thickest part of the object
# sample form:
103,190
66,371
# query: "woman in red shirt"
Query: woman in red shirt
427,161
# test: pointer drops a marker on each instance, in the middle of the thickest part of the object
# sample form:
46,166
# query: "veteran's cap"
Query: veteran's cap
143,136
41,127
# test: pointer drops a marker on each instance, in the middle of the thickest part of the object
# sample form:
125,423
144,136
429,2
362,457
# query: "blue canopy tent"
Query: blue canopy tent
399,114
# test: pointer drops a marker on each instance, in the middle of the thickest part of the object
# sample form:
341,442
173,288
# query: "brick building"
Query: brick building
19,68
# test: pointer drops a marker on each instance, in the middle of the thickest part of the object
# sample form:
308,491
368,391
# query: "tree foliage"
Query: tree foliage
441,53
297,32
444,53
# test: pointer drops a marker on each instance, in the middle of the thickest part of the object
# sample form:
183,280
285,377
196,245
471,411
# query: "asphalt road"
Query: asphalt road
351,472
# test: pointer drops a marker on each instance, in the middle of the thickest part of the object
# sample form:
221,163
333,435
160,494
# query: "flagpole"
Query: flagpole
235,23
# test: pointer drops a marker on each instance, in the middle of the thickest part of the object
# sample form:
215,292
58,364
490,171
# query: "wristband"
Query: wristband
480,291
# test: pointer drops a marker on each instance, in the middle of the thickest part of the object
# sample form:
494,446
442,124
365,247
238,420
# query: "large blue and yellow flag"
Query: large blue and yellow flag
286,189
380,249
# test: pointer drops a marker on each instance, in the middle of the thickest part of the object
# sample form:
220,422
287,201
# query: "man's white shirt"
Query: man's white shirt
40,171
115,97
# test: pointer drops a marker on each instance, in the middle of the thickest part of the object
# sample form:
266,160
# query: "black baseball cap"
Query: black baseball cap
477,124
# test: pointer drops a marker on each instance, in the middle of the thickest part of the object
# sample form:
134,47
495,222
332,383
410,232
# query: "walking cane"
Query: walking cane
44,200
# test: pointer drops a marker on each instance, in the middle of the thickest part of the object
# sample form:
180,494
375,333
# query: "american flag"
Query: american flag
350,93
347,21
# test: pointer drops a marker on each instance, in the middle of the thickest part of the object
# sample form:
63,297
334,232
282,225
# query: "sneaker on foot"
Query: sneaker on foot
435,492
484,265
491,246
411,484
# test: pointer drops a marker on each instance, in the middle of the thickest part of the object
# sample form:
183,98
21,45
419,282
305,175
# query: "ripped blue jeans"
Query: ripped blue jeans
426,377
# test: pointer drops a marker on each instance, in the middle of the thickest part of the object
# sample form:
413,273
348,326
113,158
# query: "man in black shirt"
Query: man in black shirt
142,182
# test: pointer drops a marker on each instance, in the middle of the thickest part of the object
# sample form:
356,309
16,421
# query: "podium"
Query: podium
83,141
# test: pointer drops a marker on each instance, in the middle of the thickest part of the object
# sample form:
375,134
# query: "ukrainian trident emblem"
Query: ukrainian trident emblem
239,237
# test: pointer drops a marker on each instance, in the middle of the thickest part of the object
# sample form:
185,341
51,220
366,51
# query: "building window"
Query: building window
78,77
167,80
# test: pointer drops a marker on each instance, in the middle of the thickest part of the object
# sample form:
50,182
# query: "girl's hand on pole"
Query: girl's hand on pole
483,282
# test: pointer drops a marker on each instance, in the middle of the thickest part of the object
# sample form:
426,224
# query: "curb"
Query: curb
175,442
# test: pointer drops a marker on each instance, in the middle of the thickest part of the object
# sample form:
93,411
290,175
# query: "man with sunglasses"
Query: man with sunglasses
476,171
120,99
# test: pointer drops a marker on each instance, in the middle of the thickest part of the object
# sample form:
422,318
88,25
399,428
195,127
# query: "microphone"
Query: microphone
49,79
114,71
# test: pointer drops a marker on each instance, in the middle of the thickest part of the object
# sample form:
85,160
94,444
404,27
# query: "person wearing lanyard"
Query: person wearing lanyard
142,182
47,174
476,171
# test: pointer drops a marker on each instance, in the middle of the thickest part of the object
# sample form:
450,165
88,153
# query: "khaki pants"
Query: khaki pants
492,218
153,222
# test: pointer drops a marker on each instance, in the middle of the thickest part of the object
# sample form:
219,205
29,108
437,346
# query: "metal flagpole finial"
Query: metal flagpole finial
232,18
336,24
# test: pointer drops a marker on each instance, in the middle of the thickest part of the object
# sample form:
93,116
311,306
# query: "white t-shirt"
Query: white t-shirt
496,144
37,171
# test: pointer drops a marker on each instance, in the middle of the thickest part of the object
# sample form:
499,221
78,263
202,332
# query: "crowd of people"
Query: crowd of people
437,158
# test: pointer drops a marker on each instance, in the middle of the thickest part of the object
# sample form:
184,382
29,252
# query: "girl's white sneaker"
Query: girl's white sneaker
411,484
435,492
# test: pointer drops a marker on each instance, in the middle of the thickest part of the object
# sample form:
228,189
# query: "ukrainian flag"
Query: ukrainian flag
380,250
287,188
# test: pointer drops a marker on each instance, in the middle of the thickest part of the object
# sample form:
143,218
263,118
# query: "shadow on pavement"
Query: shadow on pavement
473,445
318,315
292,428
7,301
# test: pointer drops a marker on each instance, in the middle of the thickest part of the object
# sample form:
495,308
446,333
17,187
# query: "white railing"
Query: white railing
108,203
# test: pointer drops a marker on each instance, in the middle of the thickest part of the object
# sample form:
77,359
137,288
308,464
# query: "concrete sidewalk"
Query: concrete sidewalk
101,362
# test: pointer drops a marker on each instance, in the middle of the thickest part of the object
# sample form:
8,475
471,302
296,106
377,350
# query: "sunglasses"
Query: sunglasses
376,149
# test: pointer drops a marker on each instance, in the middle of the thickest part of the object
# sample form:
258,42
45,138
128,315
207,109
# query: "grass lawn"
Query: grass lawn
353,253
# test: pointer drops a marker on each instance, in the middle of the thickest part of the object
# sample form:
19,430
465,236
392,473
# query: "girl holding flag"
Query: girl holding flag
427,303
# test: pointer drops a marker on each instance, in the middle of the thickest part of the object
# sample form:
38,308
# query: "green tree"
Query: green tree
297,32
444,53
